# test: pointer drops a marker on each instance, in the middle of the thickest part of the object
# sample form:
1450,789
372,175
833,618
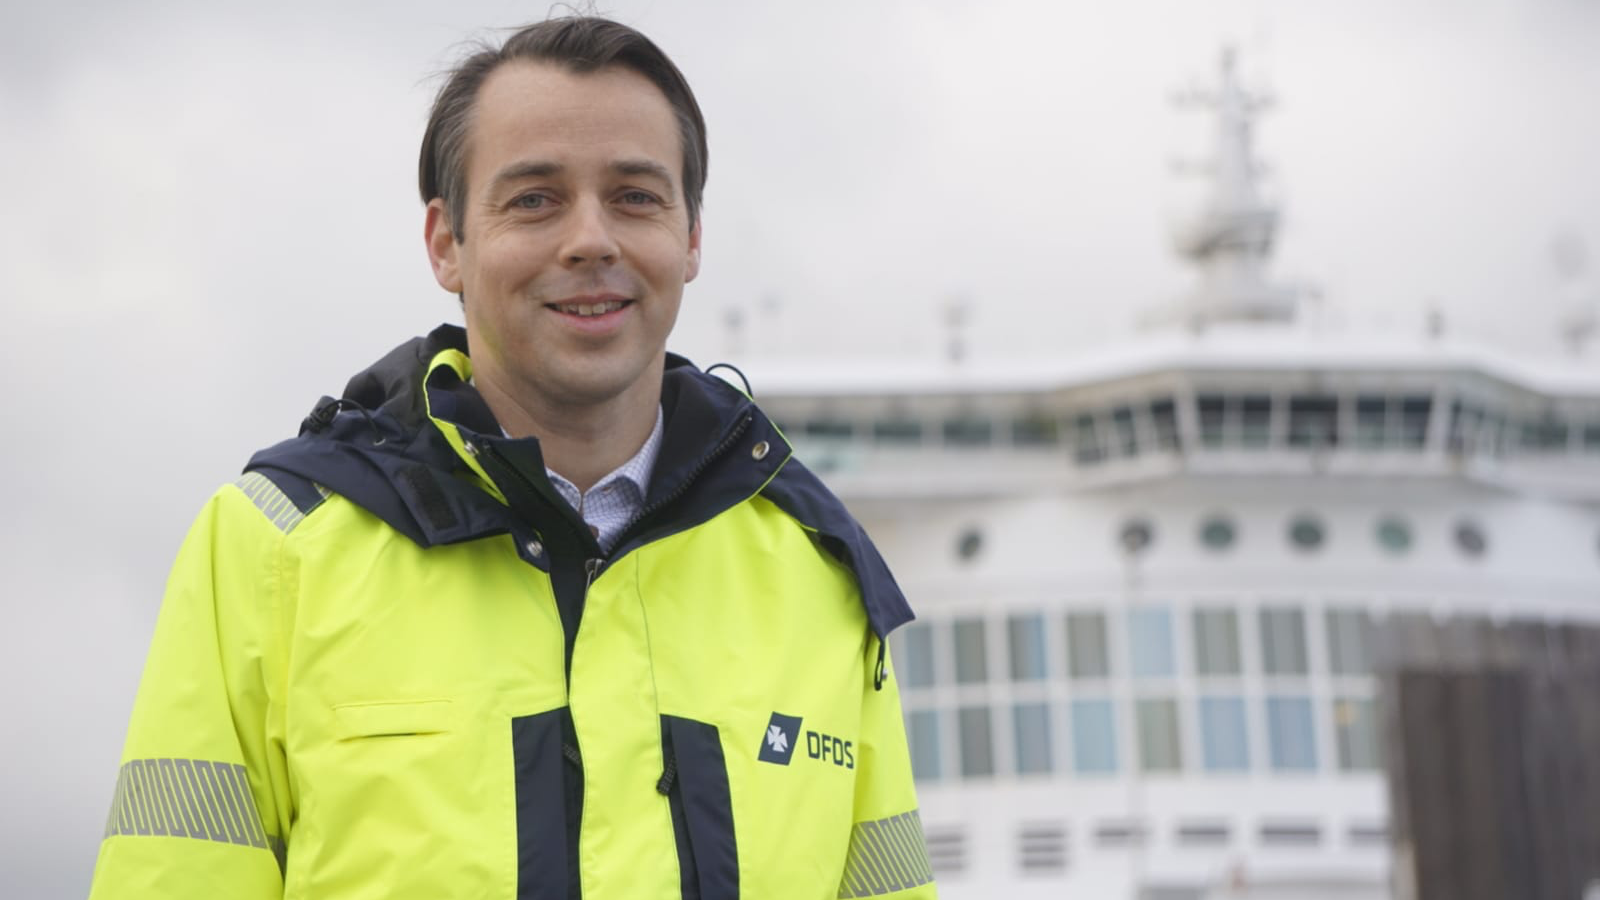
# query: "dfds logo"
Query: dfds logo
828,748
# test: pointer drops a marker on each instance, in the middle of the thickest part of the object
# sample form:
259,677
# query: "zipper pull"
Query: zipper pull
668,775
880,672
592,568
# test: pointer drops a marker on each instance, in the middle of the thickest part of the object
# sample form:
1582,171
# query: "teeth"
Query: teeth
594,309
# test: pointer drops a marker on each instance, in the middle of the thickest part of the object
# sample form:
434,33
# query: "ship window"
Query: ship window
968,431
1394,534
1031,723
1037,430
913,655
922,732
1313,421
1493,434
1255,414
1158,734
897,431
1591,437
977,744
1349,642
1164,418
1127,436
969,544
1371,413
1026,639
1086,645
1094,737
829,429
972,659
1356,732
1471,539
1136,535
1224,740
1306,533
1547,435
1087,449
1213,409
1291,738
1217,533
1150,642
1216,642
1283,641
1414,421
1463,423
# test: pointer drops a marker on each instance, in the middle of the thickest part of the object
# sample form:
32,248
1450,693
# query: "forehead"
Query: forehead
540,112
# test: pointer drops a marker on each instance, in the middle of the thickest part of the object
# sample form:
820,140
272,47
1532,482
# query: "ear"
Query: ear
691,265
442,246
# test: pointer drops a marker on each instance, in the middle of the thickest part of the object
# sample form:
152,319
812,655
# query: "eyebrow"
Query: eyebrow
540,169
521,170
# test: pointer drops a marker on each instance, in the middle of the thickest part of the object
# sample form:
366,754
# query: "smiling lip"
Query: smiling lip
590,306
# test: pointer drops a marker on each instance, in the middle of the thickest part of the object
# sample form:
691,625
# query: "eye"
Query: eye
530,202
638,198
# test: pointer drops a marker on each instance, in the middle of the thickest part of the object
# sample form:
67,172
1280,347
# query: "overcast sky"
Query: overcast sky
212,220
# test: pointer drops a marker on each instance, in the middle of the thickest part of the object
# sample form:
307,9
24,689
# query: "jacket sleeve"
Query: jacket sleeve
887,855
201,804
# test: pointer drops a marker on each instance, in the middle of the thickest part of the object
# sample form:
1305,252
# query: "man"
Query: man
534,610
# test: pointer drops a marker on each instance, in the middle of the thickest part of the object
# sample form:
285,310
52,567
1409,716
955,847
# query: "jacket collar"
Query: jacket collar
412,442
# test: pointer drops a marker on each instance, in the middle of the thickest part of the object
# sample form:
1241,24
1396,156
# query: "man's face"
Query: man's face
576,237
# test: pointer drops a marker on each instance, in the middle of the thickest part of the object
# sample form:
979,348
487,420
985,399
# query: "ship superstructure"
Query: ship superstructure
1149,579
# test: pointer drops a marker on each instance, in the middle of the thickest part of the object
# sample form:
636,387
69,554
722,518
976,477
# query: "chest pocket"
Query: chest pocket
392,719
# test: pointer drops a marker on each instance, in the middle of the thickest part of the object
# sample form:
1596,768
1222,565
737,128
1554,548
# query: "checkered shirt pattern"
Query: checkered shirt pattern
615,499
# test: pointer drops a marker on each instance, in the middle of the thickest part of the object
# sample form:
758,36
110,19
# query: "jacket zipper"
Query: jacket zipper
668,783
570,751
728,440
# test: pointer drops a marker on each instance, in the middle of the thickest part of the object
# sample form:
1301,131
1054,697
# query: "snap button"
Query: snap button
471,448
534,548
759,451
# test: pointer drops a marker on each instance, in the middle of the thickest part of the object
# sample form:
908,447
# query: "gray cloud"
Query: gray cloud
211,221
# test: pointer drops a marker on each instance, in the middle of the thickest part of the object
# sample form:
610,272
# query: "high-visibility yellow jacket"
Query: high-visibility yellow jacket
393,663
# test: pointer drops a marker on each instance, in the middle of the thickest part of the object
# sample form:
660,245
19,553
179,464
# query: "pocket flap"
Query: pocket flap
359,720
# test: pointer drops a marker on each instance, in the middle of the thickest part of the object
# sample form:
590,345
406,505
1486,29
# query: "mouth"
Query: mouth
589,309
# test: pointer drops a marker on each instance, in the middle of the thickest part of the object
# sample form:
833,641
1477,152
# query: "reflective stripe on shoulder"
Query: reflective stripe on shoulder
273,502
886,855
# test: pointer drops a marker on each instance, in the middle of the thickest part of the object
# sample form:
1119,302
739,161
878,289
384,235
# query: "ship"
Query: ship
1149,579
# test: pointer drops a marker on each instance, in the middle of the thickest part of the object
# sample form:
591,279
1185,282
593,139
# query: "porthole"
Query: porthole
1218,533
1394,534
1136,536
969,544
1470,538
1306,533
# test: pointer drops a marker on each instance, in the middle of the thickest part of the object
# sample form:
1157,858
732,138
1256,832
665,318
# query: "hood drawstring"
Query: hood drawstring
328,408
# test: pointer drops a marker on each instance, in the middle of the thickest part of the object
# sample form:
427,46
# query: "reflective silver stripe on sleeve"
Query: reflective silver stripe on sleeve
189,798
273,503
886,855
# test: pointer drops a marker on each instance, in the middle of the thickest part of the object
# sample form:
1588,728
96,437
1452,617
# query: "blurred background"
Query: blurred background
944,238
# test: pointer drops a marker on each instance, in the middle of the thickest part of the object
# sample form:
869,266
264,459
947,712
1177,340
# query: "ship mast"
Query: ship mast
1230,240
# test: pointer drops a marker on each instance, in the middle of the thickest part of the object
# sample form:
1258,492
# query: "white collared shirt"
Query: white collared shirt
616,499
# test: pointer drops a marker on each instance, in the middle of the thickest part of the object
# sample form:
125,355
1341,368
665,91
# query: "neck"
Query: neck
583,442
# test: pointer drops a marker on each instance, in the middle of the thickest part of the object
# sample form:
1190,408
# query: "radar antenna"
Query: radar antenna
1231,238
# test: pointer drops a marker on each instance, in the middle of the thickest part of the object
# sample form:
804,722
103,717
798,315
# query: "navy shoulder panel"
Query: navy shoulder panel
393,479
802,495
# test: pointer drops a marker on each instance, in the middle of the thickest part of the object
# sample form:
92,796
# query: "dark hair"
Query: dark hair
581,44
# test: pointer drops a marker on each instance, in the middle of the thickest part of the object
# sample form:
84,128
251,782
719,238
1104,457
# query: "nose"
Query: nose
588,238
